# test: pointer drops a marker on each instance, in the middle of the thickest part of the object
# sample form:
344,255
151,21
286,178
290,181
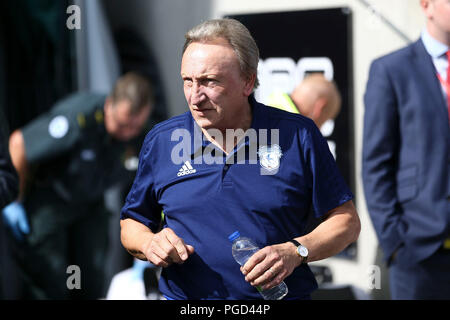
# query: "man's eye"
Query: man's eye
187,82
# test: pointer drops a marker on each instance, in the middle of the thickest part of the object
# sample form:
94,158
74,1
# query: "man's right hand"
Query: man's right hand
15,218
165,248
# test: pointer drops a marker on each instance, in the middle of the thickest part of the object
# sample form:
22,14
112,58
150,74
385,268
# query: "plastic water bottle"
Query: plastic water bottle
243,248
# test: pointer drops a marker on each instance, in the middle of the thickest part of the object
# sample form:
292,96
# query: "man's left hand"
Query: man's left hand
269,266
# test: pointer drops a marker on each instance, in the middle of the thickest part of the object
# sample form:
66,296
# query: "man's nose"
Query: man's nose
197,94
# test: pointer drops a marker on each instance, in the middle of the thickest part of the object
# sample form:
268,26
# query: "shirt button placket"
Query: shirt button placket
225,177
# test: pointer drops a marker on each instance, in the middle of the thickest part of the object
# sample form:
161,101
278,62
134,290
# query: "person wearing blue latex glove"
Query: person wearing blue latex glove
66,159
15,219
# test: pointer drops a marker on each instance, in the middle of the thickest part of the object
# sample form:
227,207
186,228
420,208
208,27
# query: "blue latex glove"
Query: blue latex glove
15,218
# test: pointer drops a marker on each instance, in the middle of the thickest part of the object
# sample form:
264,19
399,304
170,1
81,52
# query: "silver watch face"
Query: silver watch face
303,251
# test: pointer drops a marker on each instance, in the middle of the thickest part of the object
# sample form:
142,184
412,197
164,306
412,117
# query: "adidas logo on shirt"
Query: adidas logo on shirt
186,169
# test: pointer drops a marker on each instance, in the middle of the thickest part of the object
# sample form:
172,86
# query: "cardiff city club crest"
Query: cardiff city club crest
269,157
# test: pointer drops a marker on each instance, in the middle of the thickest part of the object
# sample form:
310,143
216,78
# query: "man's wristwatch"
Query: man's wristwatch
302,251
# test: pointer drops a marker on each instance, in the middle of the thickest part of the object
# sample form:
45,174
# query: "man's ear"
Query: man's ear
319,108
427,8
108,104
249,85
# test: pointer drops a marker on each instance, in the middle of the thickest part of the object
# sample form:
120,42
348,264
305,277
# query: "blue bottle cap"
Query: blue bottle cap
234,236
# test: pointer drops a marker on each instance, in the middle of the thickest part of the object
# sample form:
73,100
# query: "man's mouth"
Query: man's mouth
202,111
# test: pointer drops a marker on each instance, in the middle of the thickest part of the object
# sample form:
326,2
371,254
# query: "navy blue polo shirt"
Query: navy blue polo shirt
205,201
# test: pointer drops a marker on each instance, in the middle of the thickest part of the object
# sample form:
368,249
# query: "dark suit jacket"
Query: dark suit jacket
405,162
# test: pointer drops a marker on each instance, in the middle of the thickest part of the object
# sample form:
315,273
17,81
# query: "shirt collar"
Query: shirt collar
199,143
434,47
256,112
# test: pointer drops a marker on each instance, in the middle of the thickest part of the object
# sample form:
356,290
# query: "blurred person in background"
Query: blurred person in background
405,162
66,159
314,97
